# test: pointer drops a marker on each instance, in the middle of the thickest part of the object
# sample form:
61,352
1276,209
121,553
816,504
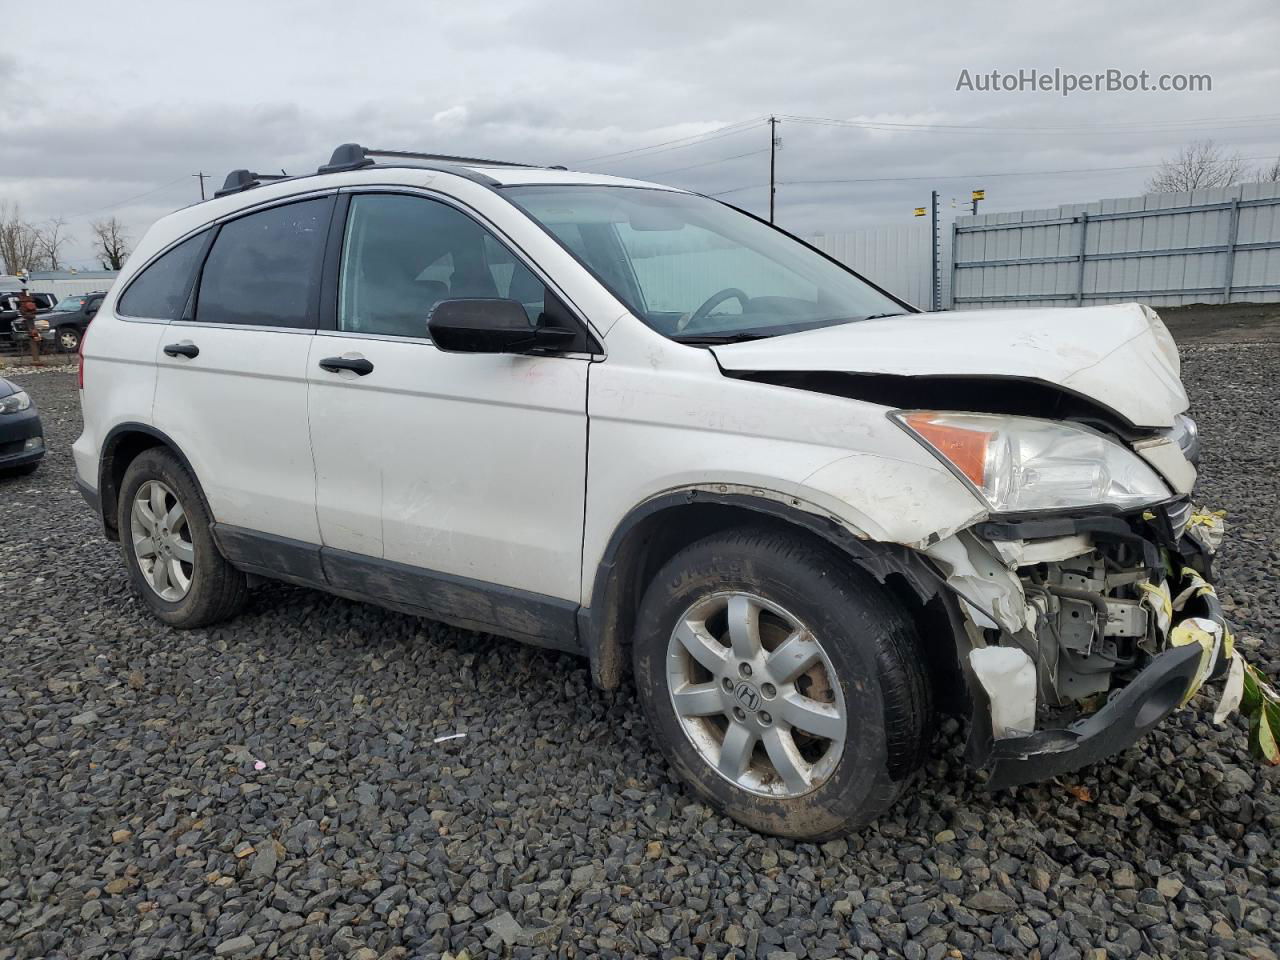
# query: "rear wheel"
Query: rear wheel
168,548
784,685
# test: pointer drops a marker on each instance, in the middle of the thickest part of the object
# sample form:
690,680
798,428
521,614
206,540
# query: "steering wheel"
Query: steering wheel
713,301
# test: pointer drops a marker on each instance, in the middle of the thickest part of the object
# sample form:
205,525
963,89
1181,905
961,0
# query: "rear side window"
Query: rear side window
160,291
264,269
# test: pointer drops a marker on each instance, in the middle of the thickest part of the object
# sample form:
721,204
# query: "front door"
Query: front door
467,469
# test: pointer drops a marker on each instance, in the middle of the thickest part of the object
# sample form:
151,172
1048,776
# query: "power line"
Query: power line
113,206
733,129
679,142
1198,123
957,176
707,163
1260,118
680,146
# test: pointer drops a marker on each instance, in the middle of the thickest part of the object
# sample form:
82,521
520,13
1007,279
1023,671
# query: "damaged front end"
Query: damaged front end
1083,632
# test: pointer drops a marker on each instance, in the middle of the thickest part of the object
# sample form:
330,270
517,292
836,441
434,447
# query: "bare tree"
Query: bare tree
19,241
113,243
53,237
1271,173
1201,163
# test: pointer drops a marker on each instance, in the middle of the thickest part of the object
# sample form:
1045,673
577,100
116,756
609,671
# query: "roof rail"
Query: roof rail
240,180
352,156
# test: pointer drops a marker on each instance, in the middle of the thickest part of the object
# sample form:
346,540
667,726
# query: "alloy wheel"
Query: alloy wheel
162,541
756,694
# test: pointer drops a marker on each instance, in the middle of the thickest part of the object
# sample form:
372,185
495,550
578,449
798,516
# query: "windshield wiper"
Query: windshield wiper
881,316
714,338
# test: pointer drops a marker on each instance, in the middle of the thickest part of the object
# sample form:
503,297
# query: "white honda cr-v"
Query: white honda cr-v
635,423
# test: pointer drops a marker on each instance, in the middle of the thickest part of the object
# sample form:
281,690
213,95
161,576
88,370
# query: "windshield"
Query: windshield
69,305
697,270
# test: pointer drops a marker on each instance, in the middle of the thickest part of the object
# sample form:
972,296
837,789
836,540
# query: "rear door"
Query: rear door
231,389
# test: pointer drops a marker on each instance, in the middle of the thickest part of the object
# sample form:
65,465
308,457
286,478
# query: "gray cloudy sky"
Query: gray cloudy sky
109,108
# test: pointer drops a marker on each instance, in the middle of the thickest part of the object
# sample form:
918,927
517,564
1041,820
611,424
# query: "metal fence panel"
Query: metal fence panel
60,286
1206,246
895,256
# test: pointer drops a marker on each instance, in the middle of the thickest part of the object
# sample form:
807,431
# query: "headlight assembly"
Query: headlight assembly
1022,464
1186,435
14,403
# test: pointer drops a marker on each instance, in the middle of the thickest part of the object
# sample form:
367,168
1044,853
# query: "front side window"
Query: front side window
402,255
696,270
160,291
264,268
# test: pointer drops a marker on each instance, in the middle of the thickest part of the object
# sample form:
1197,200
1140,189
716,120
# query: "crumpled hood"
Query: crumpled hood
1121,356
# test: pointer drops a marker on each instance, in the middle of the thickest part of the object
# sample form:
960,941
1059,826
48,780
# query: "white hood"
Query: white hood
1121,356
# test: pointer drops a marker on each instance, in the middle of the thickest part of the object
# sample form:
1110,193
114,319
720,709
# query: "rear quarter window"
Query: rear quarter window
161,290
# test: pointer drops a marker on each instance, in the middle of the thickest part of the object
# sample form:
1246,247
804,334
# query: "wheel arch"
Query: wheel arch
121,447
654,531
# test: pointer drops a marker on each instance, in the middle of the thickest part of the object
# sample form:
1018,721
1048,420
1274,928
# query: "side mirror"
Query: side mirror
485,325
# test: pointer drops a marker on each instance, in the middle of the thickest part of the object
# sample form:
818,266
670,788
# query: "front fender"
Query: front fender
604,622
893,501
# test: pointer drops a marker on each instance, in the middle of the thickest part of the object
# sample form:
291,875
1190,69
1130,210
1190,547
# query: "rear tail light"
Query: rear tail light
80,360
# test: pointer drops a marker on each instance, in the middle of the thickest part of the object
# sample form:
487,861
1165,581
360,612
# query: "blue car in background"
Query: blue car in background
21,433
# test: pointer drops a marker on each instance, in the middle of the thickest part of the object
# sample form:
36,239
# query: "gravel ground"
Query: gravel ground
280,786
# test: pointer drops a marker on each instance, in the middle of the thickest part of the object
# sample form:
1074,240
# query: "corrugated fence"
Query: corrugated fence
1207,246
59,286
894,256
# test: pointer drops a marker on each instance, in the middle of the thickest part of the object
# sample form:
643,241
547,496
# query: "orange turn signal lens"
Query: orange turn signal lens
965,449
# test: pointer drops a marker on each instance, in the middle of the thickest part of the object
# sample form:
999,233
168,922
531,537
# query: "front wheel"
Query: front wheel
168,548
68,339
783,684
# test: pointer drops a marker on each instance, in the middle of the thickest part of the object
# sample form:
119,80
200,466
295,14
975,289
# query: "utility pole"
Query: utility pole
201,177
773,151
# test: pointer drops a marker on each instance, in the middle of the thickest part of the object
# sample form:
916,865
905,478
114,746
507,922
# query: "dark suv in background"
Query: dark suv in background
67,320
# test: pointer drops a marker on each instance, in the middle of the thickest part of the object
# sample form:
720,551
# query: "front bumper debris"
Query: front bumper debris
1166,640
1127,717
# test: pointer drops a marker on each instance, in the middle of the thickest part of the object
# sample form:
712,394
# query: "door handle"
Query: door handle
187,349
357,365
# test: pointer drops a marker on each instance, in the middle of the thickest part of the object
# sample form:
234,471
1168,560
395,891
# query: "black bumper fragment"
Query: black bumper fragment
1127,717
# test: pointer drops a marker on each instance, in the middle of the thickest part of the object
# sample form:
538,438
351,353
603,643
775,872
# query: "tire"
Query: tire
214,590
67,339
804,591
